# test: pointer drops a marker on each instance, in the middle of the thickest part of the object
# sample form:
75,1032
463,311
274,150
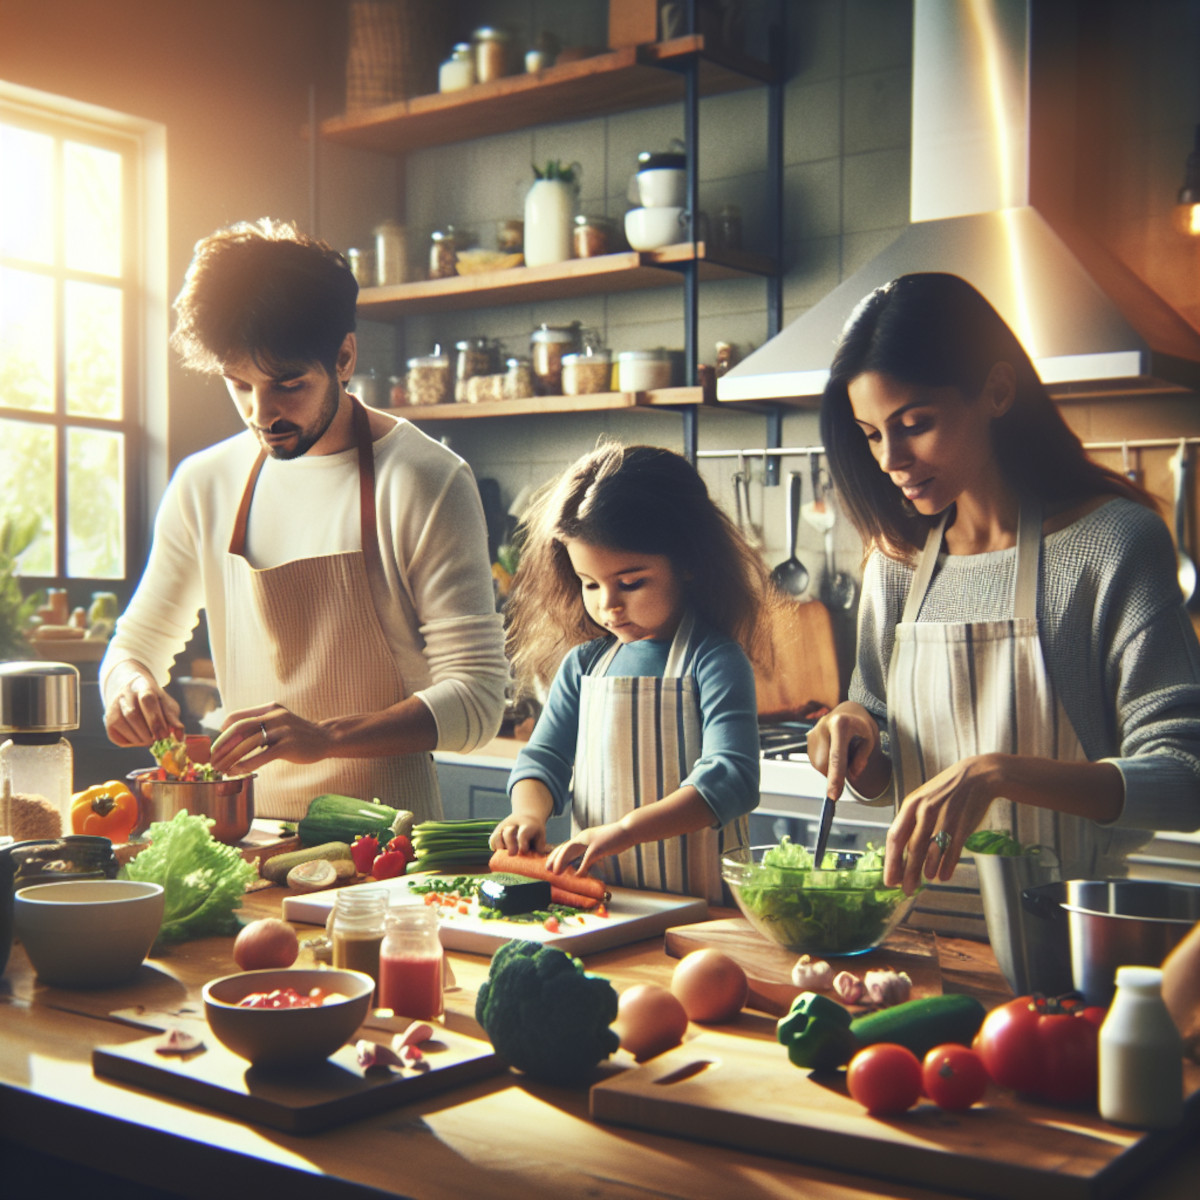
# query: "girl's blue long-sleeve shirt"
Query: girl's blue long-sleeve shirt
727,771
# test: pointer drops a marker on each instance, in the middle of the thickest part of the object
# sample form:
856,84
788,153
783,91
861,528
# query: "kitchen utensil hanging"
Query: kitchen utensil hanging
1181,469
791,575
741,495
841,588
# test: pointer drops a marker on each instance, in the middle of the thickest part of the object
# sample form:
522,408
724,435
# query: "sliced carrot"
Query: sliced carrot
571,899
534,865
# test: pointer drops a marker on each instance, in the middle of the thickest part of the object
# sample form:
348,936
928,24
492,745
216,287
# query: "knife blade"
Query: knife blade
827,806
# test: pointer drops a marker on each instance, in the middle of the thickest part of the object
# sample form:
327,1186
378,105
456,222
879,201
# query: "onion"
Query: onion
265,945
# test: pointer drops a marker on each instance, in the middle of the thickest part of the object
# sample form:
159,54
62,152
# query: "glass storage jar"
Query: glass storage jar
458,71
411,962
428,379
518,379
510,235
391,254
355,926
443,253
587,373
491,53
547,345
474,356
594,236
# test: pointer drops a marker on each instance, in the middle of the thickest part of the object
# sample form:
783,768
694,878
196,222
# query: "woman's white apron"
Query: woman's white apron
309,638
639,736
960,689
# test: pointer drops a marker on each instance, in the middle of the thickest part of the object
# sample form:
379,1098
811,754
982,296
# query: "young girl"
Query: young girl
1021,630
633,573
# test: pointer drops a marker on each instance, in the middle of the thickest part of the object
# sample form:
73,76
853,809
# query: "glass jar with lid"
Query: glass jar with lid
428,378
458,71
587,373
411,962
518,379
643,370
474,356
594,236
391,256
547,345
443,253
355,926
491,53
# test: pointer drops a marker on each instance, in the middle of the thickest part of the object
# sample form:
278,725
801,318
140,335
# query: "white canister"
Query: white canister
643,370
1141,1055
458,71
549,221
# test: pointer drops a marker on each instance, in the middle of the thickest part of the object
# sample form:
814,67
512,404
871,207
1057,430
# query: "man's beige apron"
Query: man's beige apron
639,736
309,638
956,690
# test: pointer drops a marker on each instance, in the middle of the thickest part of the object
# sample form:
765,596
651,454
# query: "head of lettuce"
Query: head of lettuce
203,880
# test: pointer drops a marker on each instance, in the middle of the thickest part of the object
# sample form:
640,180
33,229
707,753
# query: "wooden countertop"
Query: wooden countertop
497,1138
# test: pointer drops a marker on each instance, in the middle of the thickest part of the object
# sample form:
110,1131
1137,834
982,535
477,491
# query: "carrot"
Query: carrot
572,899
534,865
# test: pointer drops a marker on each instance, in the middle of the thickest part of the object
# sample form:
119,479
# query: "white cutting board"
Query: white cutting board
632,916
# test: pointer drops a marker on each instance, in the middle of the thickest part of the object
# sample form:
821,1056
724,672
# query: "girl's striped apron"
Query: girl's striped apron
308,637
956,690
638,739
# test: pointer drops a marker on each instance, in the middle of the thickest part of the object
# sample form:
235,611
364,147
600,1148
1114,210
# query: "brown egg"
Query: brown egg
711,987
649,1020
266,944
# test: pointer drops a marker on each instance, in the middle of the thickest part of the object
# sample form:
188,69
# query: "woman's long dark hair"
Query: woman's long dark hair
935,330
642,499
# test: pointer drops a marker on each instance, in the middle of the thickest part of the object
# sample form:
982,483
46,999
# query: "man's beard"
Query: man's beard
307,438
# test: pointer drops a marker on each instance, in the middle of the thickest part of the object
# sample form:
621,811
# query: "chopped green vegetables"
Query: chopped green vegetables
467,887
835,910
996,841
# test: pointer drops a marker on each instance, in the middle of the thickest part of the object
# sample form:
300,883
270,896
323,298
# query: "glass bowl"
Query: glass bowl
841,910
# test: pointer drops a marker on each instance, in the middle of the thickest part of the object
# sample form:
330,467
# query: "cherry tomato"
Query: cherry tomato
550,924
1046,1047
885,1078
953,1077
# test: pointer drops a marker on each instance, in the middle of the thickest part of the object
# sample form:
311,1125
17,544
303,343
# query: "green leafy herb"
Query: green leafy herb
996,841
556,169
203,879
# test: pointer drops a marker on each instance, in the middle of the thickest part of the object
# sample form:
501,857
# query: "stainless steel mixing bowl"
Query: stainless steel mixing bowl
230,802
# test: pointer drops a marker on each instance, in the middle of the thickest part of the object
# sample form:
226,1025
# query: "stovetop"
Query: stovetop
784,740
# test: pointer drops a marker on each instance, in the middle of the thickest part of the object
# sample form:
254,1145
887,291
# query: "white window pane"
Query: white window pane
93,325
92,208
26,340
95,504
27,487
27,209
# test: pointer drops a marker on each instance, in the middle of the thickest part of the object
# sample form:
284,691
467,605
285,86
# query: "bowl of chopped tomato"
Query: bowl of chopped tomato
287,1018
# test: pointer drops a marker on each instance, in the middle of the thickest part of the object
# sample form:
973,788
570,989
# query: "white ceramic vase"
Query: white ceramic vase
549,212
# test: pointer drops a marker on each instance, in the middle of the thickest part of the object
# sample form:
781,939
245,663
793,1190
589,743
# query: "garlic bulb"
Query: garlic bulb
886,987
849,987
812,974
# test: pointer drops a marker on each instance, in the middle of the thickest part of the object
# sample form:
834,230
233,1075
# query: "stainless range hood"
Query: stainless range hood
990,78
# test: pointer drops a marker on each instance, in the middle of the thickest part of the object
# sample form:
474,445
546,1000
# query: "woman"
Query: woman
1021,630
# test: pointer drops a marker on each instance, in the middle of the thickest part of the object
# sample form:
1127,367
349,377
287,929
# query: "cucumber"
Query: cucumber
277,867
334,818
922,1024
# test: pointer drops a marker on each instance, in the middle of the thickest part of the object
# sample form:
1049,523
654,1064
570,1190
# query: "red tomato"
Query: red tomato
1047,1047
953,1077
884,1078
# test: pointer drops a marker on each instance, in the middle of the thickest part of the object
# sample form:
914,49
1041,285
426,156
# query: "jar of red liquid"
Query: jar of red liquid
410,963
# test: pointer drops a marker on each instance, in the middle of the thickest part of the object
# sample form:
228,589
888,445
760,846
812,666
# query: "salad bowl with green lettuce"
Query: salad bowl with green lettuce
841,908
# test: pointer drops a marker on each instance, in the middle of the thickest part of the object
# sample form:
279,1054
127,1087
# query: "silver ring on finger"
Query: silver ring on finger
941,839
263,730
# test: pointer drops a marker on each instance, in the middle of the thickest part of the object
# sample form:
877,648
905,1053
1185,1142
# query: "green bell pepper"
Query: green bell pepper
816,1032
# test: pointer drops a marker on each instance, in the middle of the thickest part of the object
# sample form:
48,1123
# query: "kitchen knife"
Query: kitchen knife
823,832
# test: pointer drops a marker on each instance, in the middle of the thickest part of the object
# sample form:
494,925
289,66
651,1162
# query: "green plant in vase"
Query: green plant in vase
16,609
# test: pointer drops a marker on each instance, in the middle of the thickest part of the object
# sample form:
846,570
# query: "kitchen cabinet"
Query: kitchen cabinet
477,786
623,79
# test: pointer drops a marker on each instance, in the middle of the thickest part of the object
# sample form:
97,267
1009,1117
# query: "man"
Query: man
340,555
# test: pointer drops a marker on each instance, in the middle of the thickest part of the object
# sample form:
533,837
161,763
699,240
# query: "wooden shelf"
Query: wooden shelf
618,80
630,270
540,406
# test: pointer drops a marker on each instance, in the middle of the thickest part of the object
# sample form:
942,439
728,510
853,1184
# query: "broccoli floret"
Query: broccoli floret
544,1014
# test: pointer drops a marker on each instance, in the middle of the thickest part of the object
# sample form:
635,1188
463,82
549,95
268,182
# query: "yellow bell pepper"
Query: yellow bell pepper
105,810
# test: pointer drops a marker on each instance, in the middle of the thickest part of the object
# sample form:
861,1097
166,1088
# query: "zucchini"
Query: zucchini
277,867
334,818
922,1024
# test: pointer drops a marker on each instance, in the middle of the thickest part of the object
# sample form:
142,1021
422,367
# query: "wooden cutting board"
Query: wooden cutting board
742,1092
805,667
331,1093
768,967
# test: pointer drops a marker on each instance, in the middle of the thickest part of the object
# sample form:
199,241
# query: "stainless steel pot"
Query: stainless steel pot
1115,923
230,802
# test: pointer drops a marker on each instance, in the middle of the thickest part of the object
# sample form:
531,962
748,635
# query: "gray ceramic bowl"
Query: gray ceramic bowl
230,802
87,933
287,1037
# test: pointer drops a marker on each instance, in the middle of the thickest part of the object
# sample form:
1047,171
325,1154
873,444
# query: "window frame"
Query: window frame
142,282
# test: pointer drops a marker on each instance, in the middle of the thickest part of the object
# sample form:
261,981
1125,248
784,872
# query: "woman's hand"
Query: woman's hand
253,737
928,832
845,747
589,846
519,833
138,711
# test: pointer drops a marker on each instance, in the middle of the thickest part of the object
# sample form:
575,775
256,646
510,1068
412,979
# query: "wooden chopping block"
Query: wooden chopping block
805,667
768,967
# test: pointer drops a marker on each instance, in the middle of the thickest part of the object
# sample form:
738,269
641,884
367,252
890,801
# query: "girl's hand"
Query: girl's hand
592,844
518,834
845,746
953,803
252,737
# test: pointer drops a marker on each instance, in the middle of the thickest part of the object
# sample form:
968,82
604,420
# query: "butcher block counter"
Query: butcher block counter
496,1137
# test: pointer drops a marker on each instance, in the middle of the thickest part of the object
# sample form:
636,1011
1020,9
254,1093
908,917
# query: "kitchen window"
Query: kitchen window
73,306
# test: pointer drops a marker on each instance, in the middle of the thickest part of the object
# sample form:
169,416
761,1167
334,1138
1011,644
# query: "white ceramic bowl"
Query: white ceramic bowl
87,933
652,228
662,187
287,1037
